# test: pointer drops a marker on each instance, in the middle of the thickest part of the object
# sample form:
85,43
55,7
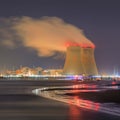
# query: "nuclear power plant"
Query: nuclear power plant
80,60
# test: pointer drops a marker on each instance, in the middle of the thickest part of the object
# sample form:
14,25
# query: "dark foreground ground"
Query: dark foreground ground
31,107
18,103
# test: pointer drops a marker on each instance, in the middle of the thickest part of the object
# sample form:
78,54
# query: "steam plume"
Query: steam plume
48,34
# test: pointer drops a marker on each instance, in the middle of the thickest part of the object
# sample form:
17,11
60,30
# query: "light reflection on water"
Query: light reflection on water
74,112
84,103
75,101
96,87
84,86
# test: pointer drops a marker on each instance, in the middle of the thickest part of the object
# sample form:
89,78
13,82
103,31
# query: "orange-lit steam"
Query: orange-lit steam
49,34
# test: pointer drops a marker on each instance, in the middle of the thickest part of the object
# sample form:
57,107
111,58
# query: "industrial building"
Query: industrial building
80,60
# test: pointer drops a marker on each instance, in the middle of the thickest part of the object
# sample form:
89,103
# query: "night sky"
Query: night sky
99,19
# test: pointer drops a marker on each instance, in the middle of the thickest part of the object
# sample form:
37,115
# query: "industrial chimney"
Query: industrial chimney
73,63
88,61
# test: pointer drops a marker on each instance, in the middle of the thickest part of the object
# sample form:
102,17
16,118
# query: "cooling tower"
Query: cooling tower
88,61
73,63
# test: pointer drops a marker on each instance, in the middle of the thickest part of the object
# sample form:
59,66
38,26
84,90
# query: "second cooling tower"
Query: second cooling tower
80,61
88,61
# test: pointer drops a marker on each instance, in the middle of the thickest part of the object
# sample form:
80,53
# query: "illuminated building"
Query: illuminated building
26,71
52,72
